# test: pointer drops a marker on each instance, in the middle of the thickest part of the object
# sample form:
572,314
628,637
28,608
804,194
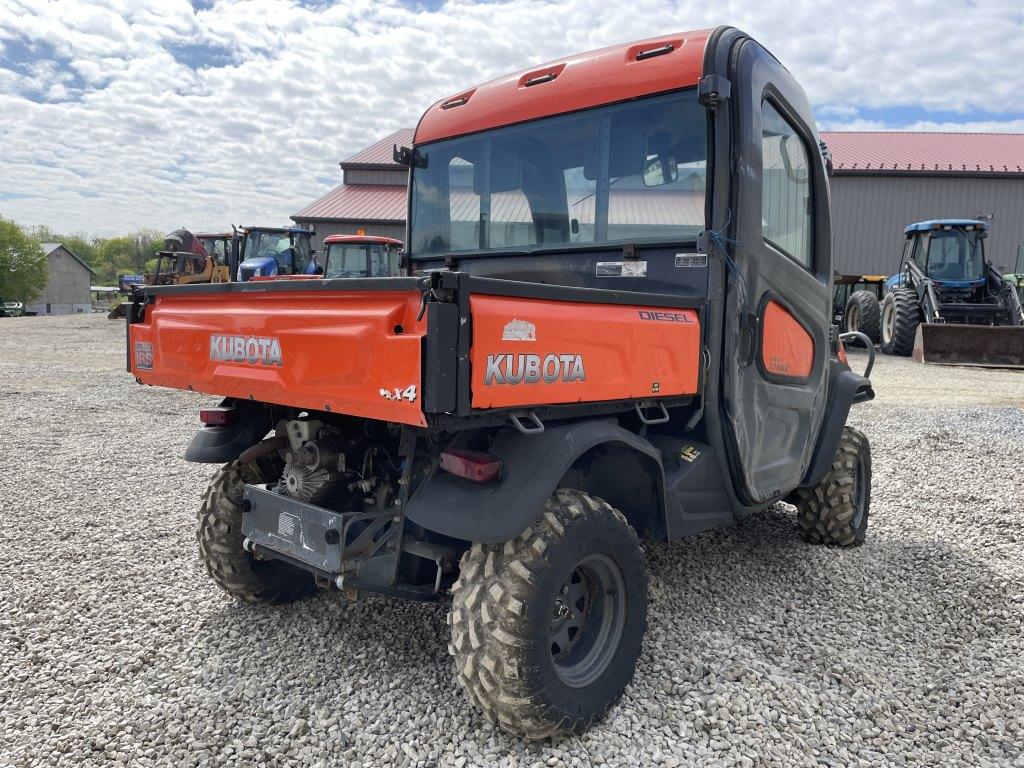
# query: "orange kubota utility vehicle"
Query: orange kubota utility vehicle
613,322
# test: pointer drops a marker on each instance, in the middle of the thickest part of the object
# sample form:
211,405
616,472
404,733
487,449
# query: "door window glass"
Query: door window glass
786,202
919,254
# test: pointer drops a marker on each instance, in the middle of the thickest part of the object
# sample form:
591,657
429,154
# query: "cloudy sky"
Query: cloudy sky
120,114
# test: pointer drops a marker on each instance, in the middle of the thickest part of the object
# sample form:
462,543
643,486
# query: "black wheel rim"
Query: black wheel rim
859,495
587,619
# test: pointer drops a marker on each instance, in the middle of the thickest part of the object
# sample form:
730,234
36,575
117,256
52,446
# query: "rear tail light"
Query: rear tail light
221,416
841,353
472,465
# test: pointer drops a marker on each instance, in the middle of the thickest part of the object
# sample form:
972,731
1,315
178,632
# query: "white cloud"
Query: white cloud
151,113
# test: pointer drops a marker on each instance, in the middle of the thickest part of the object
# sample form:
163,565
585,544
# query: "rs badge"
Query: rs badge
143,356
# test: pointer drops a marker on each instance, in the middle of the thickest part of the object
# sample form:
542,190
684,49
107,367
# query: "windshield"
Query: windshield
626,172
279,246
217,248
361,260
955,254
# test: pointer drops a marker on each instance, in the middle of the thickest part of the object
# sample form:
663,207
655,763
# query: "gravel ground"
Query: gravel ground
762,650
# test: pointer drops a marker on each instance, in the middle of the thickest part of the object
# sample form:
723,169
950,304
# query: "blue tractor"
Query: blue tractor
948,304
274,251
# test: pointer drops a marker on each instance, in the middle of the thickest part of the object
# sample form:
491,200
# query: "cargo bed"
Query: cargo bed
411,349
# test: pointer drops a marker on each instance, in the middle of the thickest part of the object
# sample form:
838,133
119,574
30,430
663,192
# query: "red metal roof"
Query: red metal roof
590,79
381,152
359,202
923,152
357,239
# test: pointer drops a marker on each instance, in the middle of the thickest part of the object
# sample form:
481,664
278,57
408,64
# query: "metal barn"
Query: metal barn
883,181
371,196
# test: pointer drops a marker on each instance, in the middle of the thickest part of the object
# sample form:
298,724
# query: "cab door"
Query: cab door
778,309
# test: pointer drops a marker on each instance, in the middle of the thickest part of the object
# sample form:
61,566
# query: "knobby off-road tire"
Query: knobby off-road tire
864,314
220,544
836,510
901,314
515,606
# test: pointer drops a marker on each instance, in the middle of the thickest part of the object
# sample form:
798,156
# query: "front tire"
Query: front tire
864,314
220,544
546,628
901,314
835,511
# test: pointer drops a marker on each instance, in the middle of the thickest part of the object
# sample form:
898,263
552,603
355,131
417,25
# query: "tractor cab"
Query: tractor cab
218,245
361,255
949,252
273,251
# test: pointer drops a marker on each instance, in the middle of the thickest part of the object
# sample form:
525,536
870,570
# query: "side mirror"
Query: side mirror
574,226
660,170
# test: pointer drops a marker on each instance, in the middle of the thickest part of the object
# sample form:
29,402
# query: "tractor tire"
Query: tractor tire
836,510
233,569
901,314
864,314
546,628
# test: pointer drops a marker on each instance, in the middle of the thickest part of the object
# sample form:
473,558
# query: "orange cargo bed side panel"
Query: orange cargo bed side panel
537,352
353,352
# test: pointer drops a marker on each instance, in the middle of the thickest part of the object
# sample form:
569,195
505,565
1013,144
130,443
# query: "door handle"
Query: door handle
750,325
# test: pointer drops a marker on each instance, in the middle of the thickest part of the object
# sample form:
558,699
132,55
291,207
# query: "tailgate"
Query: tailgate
352,351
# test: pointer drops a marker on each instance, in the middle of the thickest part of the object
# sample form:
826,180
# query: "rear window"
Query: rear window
625,172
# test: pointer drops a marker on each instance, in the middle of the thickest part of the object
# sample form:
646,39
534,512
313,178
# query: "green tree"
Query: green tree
83,246
23,271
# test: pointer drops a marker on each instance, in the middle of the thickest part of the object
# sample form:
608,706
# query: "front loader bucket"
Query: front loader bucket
117,311
988,346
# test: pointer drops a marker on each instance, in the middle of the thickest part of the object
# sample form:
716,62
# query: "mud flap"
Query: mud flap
979,345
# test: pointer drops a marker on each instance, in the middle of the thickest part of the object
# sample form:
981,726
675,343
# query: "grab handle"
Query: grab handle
535,428
657,419
864,340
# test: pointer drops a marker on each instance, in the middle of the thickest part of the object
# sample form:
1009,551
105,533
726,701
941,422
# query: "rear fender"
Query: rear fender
580,455
219,445
844,389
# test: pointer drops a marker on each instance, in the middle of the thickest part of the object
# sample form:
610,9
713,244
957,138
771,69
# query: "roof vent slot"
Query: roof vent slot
538,79
540,76
457,101
650,53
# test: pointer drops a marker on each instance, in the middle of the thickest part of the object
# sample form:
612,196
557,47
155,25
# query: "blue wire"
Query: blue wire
717,237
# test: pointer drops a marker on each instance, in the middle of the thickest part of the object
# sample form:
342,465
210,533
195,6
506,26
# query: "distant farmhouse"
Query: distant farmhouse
67,286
